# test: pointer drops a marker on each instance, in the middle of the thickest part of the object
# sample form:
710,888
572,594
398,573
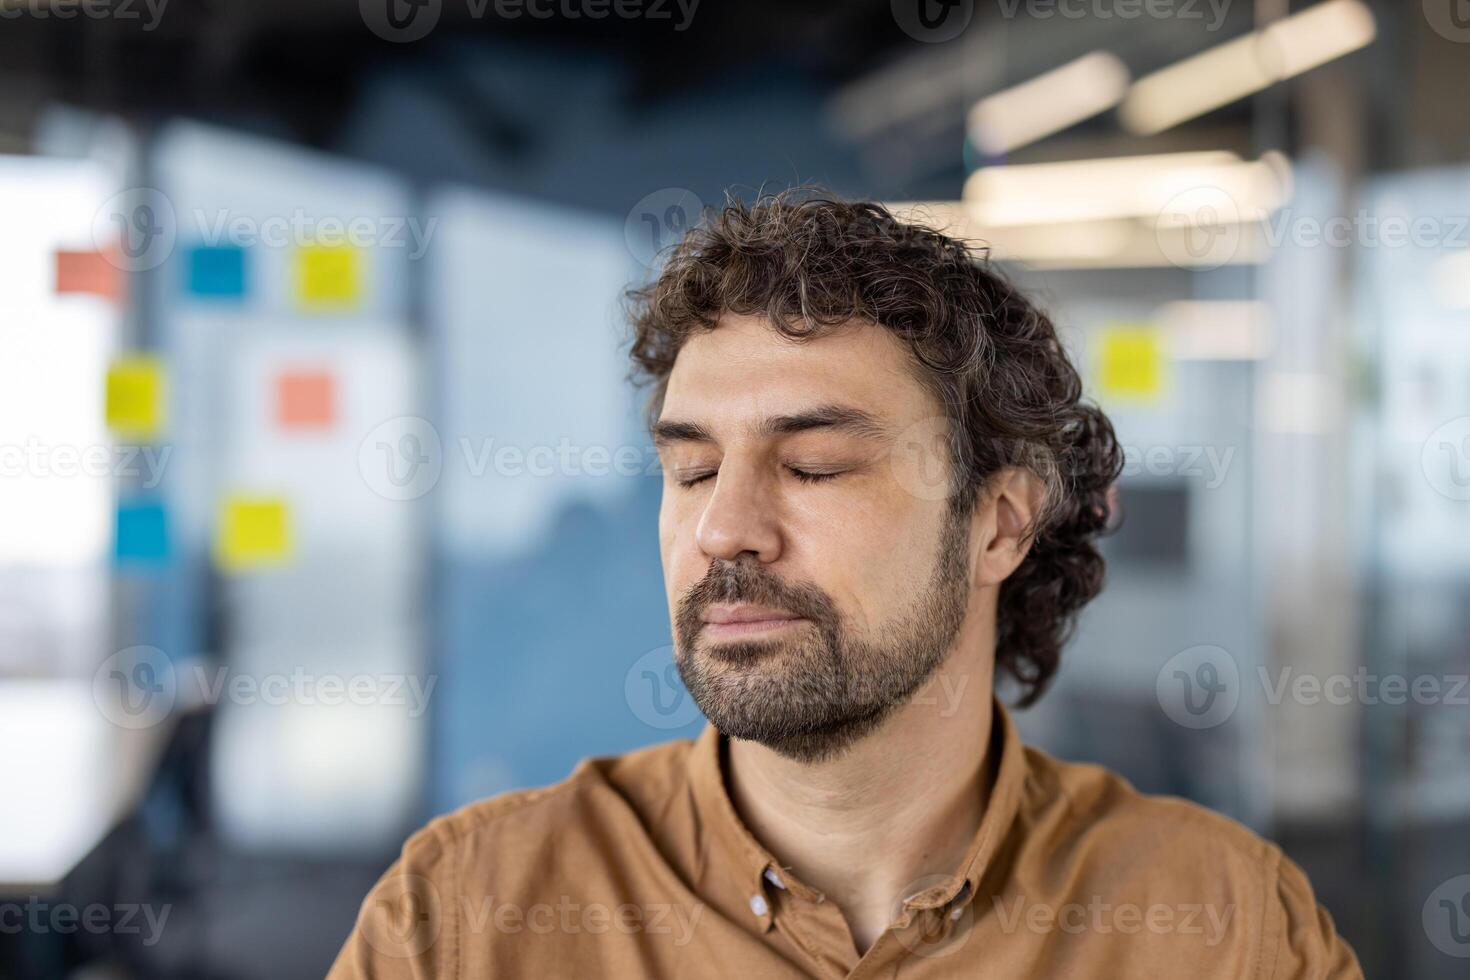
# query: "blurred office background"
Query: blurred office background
325,507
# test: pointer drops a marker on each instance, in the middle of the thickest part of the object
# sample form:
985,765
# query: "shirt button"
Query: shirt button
758,905
775,879
956,913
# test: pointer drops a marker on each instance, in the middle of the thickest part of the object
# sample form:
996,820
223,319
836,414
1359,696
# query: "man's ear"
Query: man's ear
1004,517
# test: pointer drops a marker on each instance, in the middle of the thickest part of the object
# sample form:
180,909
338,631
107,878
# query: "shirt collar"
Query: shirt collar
732,845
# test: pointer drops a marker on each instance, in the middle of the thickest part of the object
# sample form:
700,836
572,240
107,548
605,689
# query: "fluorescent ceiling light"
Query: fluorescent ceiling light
1119,243
1216,186
1298,403
1449,281
1246,65
1186,210
1048,103
1216,330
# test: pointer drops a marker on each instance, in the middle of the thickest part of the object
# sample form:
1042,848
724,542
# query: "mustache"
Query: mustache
745,580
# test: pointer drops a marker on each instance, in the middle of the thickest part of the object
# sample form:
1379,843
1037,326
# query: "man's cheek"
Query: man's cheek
670,534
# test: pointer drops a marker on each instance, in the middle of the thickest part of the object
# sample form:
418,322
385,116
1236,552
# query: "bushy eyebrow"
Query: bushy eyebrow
668,431
838,418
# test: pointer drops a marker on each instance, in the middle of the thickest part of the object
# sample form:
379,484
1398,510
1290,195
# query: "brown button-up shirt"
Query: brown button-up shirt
639,866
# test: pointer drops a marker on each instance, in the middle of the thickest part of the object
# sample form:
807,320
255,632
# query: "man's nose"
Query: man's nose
739,517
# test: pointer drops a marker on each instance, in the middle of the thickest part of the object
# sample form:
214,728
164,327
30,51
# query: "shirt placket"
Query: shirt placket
806,919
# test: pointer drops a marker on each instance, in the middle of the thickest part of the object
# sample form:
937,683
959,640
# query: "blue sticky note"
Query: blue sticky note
142,533
216,270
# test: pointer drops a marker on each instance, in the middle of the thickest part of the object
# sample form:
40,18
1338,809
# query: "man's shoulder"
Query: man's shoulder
611,793
1091,841
511,865
1087,812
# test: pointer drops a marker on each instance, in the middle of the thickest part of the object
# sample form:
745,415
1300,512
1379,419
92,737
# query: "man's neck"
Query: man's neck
904,802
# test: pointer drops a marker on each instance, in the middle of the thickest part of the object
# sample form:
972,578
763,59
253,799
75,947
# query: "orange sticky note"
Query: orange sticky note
305,399
88,272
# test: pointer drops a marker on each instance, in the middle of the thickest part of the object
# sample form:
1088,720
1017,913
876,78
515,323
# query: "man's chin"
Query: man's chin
810,744
759,701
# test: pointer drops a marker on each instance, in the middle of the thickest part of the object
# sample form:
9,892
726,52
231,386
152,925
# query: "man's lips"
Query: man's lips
744,620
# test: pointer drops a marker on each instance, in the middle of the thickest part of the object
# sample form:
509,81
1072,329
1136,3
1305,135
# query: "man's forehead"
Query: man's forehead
745,365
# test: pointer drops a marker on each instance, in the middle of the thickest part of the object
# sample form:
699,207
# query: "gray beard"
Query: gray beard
812,696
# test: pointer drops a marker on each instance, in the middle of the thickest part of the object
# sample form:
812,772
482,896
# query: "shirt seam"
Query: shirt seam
484,811
455,947
450,832
1271,928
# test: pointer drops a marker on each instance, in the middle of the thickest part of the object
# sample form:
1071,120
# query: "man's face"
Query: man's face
812,590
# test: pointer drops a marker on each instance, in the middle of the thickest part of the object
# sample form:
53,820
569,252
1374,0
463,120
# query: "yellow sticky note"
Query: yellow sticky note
1130,362
135,397
328,275
253,532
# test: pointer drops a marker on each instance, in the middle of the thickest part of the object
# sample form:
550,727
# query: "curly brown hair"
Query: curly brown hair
809,263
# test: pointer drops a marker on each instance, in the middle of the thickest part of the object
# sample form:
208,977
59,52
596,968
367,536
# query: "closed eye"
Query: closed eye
805,476
697,478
